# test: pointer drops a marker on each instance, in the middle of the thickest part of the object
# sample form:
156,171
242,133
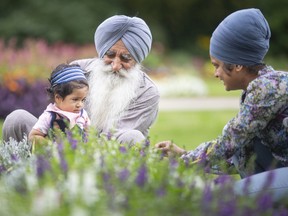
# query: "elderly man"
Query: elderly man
123,100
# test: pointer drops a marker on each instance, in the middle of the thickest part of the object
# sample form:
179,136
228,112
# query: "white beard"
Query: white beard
110,93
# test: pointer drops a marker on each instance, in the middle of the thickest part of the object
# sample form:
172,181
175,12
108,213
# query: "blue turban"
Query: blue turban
241,38
133,31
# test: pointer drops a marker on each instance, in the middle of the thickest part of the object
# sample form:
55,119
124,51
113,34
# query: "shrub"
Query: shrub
102,177
20,94
24,72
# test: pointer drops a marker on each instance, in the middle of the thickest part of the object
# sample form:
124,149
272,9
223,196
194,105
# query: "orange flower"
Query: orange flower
12,85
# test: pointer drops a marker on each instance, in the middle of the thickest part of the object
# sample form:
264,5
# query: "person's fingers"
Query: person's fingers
163,144
160,145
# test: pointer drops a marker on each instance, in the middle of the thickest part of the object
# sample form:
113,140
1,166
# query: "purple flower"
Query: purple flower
142,176
123,175
161,191
207,195
85,136
202,157
207,168
60,145
63,162
122,149
222,179
142,153
2,168
42,165
105,177
14,157
63,165
73,142
147,143
264,202
206,200
23,97
227,208
106,183
109,135
173,163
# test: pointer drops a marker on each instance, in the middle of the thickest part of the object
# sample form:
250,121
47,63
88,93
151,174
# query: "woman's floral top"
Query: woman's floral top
263,107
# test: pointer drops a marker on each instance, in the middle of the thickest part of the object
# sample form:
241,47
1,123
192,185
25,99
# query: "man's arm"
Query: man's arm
141,113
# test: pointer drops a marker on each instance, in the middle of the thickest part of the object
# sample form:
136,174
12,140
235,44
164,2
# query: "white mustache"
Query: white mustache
120,73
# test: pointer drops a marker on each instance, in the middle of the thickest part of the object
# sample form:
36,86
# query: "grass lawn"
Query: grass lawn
217,89
186,128
189,128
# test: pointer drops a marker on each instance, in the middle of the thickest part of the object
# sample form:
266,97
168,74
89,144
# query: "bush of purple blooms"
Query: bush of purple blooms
25,70
29,96
99,176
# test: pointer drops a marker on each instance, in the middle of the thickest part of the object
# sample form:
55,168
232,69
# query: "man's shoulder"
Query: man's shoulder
149,88
148,80
148,83
86,64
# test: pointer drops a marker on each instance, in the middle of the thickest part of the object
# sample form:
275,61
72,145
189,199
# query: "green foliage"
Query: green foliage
103,177
65,20
177,25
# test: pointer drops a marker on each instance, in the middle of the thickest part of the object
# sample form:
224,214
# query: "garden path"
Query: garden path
198,103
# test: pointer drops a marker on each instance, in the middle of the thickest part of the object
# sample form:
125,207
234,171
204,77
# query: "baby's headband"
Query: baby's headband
66,75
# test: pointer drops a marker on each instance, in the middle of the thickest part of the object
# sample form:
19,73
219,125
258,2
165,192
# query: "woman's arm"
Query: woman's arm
169,148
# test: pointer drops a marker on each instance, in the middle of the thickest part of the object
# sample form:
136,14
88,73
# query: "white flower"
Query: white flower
181,85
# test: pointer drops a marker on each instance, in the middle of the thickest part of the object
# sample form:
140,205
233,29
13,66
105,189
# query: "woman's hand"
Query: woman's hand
169,148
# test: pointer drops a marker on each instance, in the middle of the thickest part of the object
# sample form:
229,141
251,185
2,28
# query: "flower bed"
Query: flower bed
19,94
102,177
24,72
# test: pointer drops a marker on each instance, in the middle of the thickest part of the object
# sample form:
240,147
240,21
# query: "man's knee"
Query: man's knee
131,137
18,124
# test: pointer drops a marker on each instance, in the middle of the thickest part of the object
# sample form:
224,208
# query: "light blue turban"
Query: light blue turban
241,38
133,31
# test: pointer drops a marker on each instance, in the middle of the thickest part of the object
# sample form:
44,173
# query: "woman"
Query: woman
255,140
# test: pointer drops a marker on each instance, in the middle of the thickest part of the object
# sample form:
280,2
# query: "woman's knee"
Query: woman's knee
273,182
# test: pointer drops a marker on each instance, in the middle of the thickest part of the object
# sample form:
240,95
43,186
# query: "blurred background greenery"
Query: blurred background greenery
183,25
36,35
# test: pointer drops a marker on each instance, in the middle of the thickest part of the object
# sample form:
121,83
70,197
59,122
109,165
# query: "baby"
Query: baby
68,91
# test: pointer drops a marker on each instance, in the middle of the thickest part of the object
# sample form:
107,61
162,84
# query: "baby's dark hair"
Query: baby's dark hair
66,88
